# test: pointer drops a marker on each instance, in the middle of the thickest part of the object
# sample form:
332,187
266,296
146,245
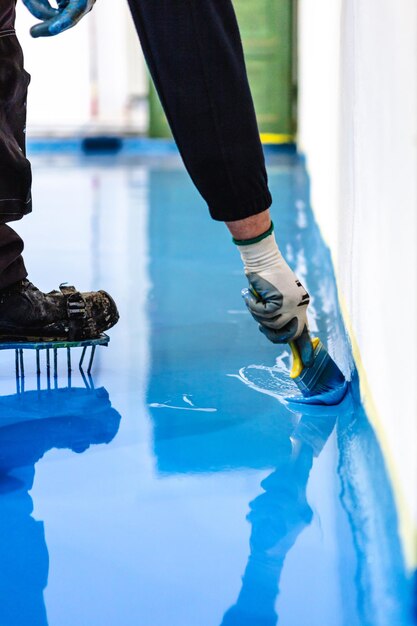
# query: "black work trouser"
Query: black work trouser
15,174
194,53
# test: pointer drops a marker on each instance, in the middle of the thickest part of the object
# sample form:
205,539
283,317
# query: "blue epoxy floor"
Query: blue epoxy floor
183,492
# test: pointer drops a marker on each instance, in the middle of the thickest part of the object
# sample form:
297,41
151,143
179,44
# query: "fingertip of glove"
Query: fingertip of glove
262,330
268,333
50,28
39,30
247,297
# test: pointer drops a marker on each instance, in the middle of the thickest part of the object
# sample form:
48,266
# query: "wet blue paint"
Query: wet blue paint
212,500
330,397
32,423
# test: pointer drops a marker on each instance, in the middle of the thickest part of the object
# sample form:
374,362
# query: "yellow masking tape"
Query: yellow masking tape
277,138
407,528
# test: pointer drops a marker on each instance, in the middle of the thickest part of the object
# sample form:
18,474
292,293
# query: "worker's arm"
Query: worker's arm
55,21
276,298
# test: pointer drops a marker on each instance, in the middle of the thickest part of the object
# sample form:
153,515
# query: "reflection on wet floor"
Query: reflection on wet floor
210,501
33,423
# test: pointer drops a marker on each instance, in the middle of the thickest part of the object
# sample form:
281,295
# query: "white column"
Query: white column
88,79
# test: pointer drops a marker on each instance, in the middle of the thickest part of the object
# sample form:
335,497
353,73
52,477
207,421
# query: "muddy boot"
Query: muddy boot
27,314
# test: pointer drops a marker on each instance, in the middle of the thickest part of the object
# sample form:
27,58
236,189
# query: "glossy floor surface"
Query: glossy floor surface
183,490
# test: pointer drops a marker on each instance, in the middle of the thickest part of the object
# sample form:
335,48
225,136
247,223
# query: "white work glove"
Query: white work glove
275,298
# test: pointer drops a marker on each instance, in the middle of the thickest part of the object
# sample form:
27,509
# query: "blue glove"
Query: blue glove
40,9
55,21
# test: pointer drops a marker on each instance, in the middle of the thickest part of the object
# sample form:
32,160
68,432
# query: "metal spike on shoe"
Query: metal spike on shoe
47,346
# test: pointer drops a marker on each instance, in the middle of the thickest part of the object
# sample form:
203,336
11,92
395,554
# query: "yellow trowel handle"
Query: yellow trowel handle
297,364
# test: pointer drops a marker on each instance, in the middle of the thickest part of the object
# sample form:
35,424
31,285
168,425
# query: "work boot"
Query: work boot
27,314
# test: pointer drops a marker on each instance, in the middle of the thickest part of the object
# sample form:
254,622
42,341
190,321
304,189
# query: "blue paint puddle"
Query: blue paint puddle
185,489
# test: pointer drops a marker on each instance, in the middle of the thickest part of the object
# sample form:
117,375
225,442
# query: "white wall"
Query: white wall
358,128
89,77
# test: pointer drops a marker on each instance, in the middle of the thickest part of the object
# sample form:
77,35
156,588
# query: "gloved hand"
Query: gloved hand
55,21
276,298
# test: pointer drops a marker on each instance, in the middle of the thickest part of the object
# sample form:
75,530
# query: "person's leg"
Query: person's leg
15,173
24,310
194,53
12,267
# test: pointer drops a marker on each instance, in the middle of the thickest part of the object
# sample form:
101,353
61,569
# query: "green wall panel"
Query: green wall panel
267,28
